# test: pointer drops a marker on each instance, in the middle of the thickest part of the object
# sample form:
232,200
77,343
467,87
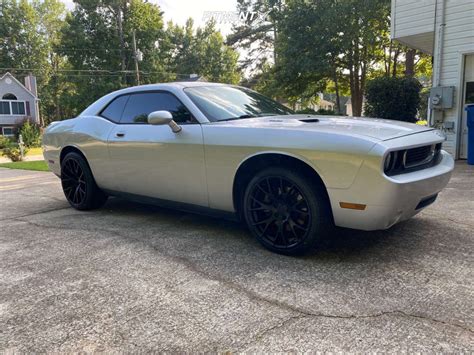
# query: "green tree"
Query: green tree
30,31
203,52
324,40
55,87
22,45
91,41
256,33
82,55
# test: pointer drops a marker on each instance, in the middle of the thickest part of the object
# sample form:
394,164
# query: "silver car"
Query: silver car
230,151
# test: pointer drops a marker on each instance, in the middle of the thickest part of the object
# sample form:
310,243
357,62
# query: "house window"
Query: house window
9,97
12,107
8,131
5,108
18,107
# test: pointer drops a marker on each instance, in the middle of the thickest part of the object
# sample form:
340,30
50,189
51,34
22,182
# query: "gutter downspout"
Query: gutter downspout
440,41
437,117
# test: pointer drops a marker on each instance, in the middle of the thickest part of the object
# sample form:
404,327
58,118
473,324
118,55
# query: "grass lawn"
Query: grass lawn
39,165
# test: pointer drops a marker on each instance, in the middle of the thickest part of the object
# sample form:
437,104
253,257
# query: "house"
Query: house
344,101
445,30
17,102
319,104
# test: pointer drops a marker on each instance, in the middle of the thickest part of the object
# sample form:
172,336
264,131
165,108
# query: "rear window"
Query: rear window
114,110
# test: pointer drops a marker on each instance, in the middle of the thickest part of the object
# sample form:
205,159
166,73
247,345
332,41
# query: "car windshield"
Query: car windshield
224,103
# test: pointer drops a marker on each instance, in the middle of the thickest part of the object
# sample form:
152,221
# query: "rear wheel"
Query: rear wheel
79,185
287,212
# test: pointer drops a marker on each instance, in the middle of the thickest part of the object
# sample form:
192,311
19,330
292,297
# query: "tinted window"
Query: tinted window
140,105
220,103
114,110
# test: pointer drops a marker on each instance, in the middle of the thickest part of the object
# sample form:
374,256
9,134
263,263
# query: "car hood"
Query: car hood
368,127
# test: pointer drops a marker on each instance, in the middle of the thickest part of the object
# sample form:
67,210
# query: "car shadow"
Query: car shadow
340,244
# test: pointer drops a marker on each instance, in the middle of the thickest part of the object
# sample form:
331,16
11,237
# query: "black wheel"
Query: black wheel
79,185
286,212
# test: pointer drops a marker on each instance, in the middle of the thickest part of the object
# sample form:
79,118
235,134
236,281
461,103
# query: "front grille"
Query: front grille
413,159
418,156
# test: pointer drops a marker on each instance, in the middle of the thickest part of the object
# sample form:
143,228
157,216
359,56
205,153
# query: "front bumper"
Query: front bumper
388,200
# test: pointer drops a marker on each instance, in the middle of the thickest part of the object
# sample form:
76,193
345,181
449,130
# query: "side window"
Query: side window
114,110
140,105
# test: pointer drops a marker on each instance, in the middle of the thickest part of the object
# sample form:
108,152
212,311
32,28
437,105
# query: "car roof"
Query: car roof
171,86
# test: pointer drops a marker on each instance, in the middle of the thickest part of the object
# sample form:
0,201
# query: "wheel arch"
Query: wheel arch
262,160
69,149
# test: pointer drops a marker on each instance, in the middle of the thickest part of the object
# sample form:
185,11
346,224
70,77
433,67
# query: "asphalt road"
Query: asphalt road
133,277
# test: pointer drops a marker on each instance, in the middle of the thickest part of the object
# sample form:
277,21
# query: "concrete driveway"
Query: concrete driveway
133,277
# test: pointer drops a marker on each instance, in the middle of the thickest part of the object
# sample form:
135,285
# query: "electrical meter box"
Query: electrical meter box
442,97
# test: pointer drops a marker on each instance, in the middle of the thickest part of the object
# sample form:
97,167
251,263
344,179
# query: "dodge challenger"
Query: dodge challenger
227,150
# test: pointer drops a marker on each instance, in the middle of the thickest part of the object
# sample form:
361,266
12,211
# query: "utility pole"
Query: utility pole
135,57
118,13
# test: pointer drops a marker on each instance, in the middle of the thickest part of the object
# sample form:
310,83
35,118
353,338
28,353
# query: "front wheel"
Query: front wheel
287,212
79,185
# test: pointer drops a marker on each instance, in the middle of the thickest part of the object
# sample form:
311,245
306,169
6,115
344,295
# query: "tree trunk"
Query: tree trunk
338,99
356,99
388,63
395,62
410,63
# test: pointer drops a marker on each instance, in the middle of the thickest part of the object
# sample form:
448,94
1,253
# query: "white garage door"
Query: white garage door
468,98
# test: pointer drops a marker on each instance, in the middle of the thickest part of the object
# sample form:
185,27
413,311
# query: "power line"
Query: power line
95,71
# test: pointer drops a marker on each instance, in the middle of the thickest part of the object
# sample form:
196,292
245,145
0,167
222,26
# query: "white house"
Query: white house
17,102
444,29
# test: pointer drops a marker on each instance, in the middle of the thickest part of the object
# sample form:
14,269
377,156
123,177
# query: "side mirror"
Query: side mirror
163,117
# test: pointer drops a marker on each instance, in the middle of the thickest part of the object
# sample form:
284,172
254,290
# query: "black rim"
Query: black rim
279,212
74,185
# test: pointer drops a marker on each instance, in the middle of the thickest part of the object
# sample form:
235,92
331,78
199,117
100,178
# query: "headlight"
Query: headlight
389,159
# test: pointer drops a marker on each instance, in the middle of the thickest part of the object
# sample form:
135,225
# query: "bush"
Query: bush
393,98
30,132
306,111
12,151
5,142
321,111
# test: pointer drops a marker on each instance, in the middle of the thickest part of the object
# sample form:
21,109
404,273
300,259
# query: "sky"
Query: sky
180,10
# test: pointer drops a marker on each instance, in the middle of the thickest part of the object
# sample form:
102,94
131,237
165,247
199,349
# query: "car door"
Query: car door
153,161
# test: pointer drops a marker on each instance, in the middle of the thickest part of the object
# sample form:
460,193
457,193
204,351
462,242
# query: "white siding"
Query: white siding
458,41
413,22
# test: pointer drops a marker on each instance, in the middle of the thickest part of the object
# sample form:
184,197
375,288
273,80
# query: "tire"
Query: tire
287,212
79,185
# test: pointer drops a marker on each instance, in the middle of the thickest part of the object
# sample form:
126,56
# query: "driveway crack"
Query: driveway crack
252,295
17,218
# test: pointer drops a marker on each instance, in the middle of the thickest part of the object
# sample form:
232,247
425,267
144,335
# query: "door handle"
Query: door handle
119,134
